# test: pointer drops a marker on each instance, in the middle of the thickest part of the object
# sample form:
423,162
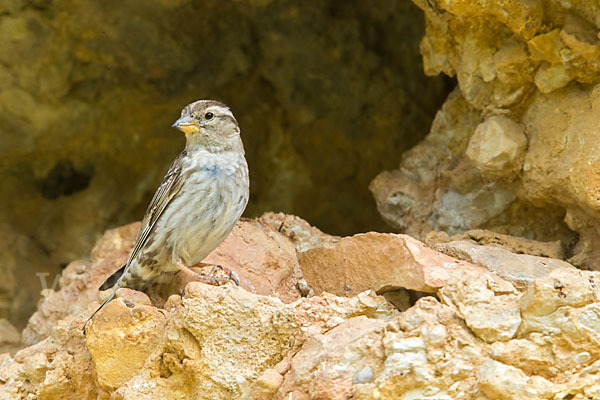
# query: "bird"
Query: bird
202,196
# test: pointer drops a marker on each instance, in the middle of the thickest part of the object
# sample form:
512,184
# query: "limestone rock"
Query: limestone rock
519,269
514,244
216,343
381,262
524,115
301,233
264,259
499,381
121,345
436,188
468,333
571,179
57,367
497,147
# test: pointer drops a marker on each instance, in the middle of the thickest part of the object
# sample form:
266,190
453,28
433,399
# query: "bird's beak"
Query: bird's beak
186,125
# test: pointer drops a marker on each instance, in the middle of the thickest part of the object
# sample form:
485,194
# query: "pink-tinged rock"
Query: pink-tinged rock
380,262
264,260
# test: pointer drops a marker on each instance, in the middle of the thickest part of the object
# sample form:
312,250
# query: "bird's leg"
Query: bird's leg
211,280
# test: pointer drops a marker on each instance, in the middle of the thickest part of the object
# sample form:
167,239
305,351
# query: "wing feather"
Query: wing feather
169,187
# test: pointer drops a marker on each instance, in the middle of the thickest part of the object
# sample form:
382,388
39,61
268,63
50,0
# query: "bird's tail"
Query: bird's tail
112,281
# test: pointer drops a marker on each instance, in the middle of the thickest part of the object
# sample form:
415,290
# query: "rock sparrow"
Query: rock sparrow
199,201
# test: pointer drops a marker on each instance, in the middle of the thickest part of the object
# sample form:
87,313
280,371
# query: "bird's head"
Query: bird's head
210,124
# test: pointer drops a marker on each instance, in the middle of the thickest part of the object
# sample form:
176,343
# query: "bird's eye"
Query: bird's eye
209,115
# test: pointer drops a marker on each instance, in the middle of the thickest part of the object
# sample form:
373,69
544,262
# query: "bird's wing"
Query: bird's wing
169,187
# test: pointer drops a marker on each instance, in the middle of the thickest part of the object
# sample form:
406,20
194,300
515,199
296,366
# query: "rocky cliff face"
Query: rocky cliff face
321,317
445,312
514,148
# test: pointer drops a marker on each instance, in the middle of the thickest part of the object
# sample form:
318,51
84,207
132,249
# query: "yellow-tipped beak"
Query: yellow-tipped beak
186,125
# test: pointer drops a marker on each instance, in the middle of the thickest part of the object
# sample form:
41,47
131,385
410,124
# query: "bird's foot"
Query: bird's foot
231,275
210,279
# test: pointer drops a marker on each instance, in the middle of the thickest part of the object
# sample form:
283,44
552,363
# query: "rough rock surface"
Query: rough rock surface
469,334
88,92
514,148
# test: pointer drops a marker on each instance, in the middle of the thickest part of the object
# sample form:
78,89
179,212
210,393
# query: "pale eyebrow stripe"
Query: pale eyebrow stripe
227,116
219,109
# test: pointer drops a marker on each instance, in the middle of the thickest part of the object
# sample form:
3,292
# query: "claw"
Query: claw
210,278
232,276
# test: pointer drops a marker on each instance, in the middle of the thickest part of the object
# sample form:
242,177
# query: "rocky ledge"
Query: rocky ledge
371,316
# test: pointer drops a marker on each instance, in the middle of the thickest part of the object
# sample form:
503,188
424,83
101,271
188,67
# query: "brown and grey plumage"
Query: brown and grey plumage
199,201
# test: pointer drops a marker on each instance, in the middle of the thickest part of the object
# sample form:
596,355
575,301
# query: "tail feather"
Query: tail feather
126,276
112,280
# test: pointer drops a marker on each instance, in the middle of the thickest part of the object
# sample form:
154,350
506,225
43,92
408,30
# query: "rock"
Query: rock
382,262
492,314
561,312
365,375
57,367
301,233
527,355
470,333
499,381
264,259
535,167
132,296
236,353
265,385
570,180
437,189
549,78
339,354
497,147
121,345
519,269
394,359
514,244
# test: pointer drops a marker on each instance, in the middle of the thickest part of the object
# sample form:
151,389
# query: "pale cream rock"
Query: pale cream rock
519,269
550,77
503,382
492,314
514,244
497,147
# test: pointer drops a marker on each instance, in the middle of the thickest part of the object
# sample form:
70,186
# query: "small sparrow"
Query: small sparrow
199,201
